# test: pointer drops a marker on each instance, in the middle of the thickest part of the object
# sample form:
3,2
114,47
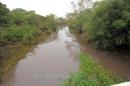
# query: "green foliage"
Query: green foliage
61,21
4,15
23,33
106,24
24,26
90,74
50,24
20,16
119,24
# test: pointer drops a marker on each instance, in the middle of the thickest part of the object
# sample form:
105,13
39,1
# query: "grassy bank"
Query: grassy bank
20,30
12,53
91,74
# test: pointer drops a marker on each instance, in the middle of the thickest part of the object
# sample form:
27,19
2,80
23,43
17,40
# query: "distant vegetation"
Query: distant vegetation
19,29
22,26
105,23
91,74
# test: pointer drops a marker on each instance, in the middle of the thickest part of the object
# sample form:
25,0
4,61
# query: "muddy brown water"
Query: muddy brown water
112,61
52,61
48,64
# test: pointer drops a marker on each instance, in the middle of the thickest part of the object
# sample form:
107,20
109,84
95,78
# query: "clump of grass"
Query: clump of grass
90,74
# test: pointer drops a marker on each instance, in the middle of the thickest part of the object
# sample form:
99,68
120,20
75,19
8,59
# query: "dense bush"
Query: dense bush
4,15
49,23
22,26
22,33
107,24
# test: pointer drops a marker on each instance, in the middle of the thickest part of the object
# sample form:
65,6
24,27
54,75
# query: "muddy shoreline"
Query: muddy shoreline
112,61
12,53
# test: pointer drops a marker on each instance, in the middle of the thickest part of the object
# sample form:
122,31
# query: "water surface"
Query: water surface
48,64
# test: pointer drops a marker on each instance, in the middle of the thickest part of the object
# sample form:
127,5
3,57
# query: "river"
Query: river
48,64
52,61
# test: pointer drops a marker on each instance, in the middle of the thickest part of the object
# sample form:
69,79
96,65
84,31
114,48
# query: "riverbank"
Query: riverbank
20,30
15,52
91,74
112,61
58,62
48,63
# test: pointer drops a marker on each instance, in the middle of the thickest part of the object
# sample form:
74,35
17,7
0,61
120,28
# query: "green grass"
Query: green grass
91,74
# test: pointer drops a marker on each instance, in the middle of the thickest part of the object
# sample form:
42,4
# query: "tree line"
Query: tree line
105,23
20,25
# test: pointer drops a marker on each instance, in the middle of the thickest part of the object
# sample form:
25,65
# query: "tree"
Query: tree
74,6
106,23
18,16
4,15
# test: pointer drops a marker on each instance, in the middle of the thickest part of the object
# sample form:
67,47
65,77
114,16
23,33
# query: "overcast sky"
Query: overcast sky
43,7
